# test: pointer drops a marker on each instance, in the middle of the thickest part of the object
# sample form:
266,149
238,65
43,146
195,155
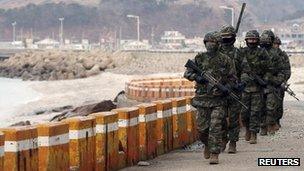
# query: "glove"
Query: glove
201,80
239,87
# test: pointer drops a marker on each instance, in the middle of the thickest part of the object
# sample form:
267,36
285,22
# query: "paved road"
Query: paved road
288,142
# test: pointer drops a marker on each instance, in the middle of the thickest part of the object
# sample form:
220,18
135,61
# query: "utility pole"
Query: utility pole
14,30
137,19
61,30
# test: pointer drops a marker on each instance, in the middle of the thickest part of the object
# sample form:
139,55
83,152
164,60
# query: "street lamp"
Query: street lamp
232,13
137,18
61,30
14,30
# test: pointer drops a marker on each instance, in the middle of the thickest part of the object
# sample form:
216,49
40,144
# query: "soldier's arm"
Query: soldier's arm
287,70
189,73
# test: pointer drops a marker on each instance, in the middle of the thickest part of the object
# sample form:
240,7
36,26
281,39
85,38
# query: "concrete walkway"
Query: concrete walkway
288,142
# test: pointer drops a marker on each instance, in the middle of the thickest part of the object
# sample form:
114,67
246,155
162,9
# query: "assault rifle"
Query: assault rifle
286,88
214,82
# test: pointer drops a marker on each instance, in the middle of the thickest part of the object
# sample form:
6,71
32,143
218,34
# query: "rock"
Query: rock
143,163
94,71
22,123
106,105
88,64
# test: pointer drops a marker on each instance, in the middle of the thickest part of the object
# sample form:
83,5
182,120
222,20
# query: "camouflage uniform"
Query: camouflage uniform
287,72
208,100
275,77
233,108
254,63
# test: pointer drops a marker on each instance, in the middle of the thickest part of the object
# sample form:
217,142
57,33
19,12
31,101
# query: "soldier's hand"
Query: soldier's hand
239,87
201,80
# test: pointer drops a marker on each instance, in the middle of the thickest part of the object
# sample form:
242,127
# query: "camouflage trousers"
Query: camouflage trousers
269,115
280,108
210,127
251,118
231,121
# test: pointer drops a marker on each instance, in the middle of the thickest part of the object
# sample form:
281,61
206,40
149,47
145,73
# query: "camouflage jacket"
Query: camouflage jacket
286,64
235,55
255,62
221,68
275,73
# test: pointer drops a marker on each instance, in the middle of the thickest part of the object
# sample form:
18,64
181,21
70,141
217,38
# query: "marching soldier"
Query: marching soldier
209,99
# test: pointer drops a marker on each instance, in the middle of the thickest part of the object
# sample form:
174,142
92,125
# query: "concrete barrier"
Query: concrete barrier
128,134
179,112
158,88
147,133
20,148
191,121
1,151
53,143
82,143
106,141
164,126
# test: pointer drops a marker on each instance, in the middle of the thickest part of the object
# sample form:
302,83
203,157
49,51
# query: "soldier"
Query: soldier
209,100
287,72
275,77
232,128
254,65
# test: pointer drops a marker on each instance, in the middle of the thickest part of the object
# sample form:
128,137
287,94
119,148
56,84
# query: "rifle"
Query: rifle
286,88
213,81
240,18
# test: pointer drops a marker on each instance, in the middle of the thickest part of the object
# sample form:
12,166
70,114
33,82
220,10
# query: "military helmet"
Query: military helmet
277,40
267,36
227,31
252,34
212,37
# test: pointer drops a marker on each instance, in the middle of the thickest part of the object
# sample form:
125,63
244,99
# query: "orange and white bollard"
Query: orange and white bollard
164,127
191,120
106,140
82,143
128,134
53,143
147,134
1,151
179,117
20,148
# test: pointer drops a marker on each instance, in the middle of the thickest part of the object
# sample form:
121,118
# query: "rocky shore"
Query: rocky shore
56,65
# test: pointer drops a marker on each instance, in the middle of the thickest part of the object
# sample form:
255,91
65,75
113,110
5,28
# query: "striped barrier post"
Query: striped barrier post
147,134
128,133
179,122
20,148
1,151
53,143
106,140
82,143
163,129
191,120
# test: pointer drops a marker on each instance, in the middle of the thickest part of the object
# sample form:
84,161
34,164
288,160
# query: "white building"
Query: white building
48,44
135,46
173,40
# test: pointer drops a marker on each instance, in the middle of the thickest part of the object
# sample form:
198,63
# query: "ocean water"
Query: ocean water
13,94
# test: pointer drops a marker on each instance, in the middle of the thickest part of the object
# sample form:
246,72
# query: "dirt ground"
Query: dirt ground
287,142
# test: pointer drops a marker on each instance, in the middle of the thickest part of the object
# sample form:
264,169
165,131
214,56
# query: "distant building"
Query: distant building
135,45
293,35
173,40
47,44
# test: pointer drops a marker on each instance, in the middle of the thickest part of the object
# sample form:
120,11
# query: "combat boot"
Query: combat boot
276,127
214,158
263,131
253,138
271,129
223,146
247,134
232,147
206,153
